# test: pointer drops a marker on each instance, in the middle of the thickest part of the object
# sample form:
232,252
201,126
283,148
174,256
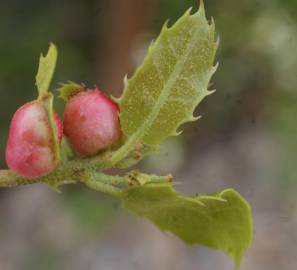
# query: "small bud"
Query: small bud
30,148
91,122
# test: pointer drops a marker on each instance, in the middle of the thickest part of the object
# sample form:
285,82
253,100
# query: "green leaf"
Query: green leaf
44,76
48,103
165,90
46,70
67,90
222,221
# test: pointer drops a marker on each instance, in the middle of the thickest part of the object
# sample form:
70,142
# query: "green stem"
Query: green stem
110,179
161,179
65,173
130,179
123,151
10,179
87,173
102,187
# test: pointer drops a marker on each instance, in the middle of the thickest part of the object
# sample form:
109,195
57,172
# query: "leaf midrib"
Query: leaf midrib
135,138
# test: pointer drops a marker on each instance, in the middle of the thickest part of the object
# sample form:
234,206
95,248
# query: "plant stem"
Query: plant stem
67,172
110,179
87,173
103,187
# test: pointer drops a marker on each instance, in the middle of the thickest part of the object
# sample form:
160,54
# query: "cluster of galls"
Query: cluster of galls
90,122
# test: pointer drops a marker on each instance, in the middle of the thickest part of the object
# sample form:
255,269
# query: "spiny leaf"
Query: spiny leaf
46,70
165,90
222,221
67,90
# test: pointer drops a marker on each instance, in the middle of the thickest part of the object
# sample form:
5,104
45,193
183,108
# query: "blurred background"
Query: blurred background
245,140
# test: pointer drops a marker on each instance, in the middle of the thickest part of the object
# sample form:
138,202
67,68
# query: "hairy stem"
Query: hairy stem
85,171
67,172
110,179
101,186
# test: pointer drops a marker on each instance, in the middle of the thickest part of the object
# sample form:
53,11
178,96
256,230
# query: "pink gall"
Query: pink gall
91,122
30,149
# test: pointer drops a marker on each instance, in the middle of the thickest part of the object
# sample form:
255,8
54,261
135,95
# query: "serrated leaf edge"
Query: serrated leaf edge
136,137
46,63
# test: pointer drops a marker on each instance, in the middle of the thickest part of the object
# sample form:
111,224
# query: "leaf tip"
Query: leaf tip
165,27
232,195
188,11
201,10
47,65
210,92
217,41
193,118
177,133
125,80
212,21
53,48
